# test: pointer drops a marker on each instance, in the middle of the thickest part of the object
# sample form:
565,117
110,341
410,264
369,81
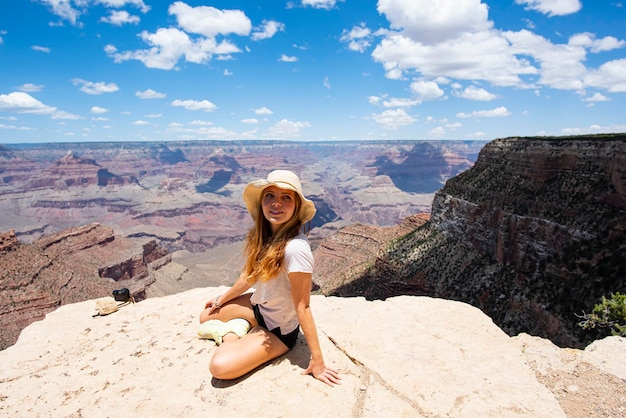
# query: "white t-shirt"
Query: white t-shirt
274,297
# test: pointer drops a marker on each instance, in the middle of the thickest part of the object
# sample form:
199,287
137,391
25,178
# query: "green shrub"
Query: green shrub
609,315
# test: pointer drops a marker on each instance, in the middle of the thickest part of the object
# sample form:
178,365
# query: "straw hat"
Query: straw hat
283,179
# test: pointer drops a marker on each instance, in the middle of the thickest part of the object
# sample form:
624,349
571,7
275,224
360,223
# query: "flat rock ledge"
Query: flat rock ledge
406,356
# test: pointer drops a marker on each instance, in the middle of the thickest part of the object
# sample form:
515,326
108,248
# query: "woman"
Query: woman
279,265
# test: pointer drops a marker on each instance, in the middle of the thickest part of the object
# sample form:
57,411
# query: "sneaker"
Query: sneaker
215,329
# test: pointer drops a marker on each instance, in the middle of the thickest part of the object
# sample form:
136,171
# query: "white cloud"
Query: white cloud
437,132
250,121
99,110
455,40
209,21
596,98
141,123
13,127
286,58
263,111
20,102
498,112
120,17
63,9
121,3
432,21
393,102
320,4
358,38
552,7
30,87
286,129
150,94
610,76
201,123
40,49
90,87
426,90
475,93
326,82
588,40
267,29
393,118
168,46
204,105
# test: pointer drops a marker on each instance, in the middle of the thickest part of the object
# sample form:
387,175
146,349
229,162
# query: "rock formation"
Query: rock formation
533,234
187,195
74,265
407,356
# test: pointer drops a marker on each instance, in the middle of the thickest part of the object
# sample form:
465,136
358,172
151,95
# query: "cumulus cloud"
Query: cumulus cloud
498,112
90,87
30,87
433,21
552,7
150,94
121,3
426,90
475,93
20,102
40,49
394,118
263,111
209,21
320,4
204,105
120,17
194,40
359,38
286,129
99,110
267,29
455,40
610,76
287,58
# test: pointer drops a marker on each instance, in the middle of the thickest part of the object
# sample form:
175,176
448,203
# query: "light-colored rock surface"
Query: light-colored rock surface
407,356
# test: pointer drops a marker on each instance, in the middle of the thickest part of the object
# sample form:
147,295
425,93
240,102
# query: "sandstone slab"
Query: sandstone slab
406,356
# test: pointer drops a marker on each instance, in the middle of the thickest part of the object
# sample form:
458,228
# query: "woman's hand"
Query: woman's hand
212,305
323,373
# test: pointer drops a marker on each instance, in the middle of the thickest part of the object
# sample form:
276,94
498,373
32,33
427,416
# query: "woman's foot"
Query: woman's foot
215,329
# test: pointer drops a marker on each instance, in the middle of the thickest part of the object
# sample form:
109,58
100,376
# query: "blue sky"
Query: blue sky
137,70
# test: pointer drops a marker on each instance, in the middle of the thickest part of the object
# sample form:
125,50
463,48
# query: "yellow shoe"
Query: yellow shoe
215,329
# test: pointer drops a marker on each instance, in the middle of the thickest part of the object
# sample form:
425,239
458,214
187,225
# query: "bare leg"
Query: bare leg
240,307
238,356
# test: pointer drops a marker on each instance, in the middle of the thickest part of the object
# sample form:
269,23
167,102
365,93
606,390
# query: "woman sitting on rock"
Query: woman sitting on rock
279,265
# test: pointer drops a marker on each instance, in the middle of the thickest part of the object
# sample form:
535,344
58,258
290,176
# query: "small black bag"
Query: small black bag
121,295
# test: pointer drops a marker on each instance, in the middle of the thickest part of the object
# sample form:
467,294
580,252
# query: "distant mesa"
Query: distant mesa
164,155
423,169
220,179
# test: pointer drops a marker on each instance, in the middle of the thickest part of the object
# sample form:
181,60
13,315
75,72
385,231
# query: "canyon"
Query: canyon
188,194
79,220
529,230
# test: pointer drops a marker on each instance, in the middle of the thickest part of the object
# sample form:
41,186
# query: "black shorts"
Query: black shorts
289,340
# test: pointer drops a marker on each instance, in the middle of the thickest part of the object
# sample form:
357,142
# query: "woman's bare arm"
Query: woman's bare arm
301,293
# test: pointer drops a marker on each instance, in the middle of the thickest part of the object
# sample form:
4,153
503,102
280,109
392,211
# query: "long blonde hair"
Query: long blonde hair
265,252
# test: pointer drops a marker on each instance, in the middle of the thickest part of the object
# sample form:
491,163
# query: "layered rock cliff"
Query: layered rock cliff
74,265
533,234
